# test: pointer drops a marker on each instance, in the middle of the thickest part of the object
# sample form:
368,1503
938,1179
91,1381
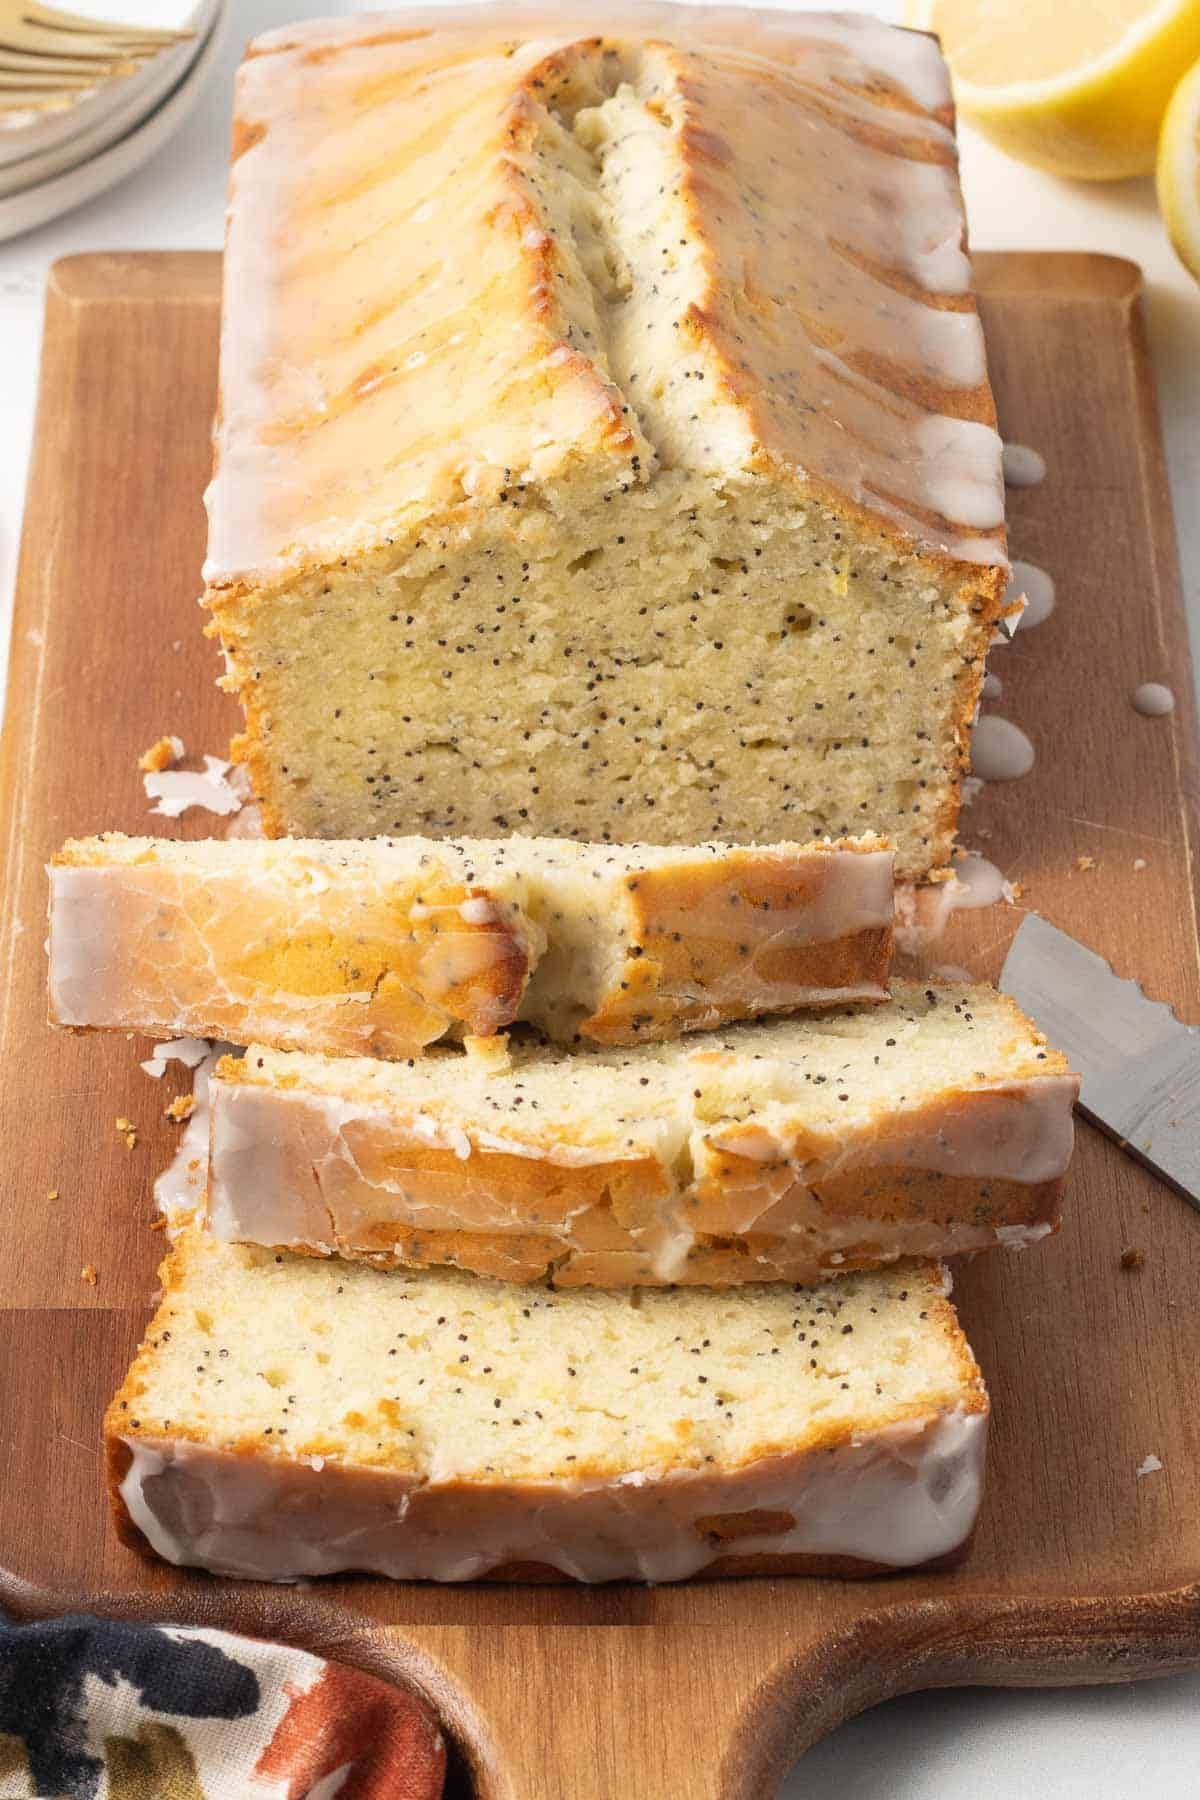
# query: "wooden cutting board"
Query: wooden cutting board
1080,1570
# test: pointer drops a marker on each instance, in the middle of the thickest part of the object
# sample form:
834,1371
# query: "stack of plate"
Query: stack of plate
51,161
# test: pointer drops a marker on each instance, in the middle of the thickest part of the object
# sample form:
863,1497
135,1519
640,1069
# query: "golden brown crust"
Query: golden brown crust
604,1253
117,1460
730,963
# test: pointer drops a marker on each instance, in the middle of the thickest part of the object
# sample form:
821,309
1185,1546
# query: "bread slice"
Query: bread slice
605,446
936,1122
287,1418
385,946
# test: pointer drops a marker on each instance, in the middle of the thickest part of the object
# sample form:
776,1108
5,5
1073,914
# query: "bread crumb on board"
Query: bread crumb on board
128,1130
1150,1465
1084,863
1139,863
161,755
88,1274
182,1107
1132,1258
52,1194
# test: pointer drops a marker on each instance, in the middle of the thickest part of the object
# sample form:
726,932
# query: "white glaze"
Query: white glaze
1020,1131
1020,1237
1023,466
978,882
188,1051
1000,750
898,1497
901,211
1153,700
923,912
175,790
248,823
179,1190
159,946
1037,587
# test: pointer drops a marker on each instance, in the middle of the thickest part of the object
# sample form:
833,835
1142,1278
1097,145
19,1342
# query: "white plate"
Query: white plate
33,206
132,96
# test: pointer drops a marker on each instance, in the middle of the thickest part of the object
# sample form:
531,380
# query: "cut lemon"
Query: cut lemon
1179,170
1078,87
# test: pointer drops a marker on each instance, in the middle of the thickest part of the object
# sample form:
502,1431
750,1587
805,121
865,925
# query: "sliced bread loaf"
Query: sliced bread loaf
935,1122
385,946
659,496
288,1418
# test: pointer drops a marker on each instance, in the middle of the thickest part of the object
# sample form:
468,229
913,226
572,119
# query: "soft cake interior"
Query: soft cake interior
456,1376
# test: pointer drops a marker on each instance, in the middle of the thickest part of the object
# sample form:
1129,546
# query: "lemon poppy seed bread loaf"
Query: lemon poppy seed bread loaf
605,449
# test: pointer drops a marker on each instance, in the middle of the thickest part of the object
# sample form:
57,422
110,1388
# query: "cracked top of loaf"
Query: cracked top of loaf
480,252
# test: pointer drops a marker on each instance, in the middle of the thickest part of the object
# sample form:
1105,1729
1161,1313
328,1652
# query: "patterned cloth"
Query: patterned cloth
91,1709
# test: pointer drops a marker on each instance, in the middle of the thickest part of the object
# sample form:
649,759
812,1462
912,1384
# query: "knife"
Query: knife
1140,1066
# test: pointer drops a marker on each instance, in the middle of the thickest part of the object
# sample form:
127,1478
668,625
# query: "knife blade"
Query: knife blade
1140,1066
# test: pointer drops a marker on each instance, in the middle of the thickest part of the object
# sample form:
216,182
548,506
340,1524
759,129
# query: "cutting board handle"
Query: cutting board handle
599,1713
604,1712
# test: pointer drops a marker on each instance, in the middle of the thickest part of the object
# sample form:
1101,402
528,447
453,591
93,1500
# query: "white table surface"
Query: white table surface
1080,1744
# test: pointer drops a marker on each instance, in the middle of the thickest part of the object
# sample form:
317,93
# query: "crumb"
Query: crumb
1016,890
1139,863
492,1052
182,1107
1084,863
1132,1259
53,1194
160,756
159,1222
1149,1466
128,1131
88,1274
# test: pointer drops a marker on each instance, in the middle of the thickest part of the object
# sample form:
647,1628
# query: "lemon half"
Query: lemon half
1078,87
1179,170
